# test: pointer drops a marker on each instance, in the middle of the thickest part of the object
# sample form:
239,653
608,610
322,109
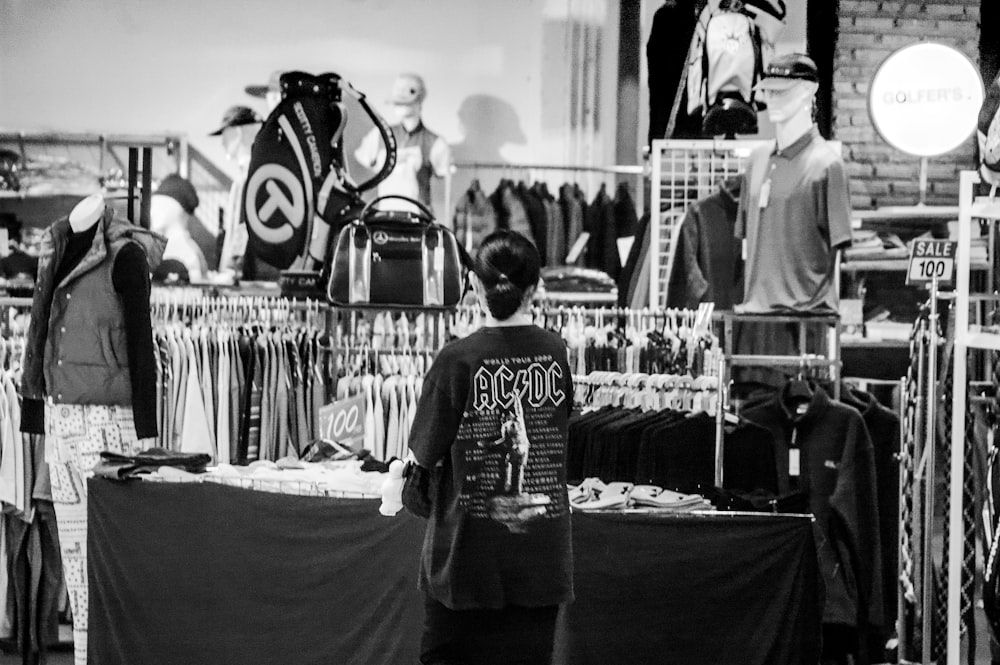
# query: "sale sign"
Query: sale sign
344,421
931,260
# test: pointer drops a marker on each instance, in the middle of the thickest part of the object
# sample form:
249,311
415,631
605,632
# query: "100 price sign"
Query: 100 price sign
931,260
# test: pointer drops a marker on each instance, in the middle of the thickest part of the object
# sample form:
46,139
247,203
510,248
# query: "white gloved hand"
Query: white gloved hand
392,490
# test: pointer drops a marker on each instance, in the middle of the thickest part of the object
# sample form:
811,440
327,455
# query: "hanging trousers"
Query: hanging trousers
75,437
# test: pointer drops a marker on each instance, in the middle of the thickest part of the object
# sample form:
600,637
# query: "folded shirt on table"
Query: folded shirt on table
121,467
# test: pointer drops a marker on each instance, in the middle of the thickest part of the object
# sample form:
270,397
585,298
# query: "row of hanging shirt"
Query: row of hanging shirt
391,382
384,355
240,379
18,461
552,220
386,330
674,341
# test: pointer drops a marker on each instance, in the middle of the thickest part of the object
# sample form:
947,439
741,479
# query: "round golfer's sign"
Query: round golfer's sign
925,99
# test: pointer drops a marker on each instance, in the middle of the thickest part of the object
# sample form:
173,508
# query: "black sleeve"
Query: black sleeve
131,281
434,426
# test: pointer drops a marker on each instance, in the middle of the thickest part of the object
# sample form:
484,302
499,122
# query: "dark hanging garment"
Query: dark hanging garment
537,218
499,209
822,449
707,263
572,212
555,230
626,219
666,57
883,427
602,249
630,271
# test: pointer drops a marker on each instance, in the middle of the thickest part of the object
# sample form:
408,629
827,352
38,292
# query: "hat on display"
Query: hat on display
273,85
408,89
180,190
784,71
236,116
729,117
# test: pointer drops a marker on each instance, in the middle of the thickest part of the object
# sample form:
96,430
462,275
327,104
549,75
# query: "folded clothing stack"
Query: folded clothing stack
872,245
593,495
121,467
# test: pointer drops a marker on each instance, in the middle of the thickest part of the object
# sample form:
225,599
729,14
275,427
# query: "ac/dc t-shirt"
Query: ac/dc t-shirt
493,413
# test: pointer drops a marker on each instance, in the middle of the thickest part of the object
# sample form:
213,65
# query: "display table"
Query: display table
206,573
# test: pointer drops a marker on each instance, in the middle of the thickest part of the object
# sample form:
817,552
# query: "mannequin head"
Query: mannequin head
270,93
788,102
166,215
789,86
238,129
407,98
172,205
238,142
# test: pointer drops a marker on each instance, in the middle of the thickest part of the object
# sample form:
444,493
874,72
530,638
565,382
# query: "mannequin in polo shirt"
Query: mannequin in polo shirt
794,214
420,153
794,205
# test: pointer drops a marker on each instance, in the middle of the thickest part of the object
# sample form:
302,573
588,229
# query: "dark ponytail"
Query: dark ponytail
508,265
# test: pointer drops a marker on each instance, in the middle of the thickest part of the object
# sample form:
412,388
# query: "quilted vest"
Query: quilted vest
78,345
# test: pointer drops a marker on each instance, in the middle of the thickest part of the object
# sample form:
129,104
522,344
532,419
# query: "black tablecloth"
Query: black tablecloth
212,574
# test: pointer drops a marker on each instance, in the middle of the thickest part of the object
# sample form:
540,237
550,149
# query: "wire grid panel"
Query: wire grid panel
682,173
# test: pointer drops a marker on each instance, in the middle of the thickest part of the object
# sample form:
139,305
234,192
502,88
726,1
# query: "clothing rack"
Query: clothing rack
639,172
648,391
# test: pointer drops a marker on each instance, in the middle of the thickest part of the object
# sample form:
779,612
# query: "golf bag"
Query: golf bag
298,193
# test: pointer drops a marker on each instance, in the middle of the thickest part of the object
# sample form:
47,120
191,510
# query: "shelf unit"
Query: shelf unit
884,277
966,339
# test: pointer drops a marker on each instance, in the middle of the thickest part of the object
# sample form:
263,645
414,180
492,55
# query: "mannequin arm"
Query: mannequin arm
131,281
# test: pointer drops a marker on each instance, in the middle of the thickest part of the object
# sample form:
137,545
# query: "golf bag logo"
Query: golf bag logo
274,193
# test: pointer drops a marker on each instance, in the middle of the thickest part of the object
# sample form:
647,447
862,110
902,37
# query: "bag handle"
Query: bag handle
383,129
424,215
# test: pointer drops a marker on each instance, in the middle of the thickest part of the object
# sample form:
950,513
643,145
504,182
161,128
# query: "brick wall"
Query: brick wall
869,31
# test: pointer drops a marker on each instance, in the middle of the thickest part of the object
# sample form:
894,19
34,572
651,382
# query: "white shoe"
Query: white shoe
613,496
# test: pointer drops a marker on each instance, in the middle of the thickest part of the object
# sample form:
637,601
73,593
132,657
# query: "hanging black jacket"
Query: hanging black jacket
883,427
837,472
707,264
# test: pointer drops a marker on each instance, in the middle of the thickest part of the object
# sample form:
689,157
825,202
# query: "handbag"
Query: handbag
394,258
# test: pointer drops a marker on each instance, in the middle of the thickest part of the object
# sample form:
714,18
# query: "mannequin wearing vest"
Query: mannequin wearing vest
420,153
89,370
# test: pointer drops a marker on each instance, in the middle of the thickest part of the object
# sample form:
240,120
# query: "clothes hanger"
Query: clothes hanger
798,388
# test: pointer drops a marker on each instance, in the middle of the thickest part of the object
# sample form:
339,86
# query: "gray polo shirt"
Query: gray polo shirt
793,230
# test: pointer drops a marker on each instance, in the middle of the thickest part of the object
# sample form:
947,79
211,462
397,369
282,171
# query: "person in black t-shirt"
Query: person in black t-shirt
496,561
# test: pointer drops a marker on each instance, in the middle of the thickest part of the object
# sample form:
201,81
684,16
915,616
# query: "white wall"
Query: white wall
176,65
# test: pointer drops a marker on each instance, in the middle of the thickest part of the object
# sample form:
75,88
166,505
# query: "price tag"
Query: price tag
344,420
931,259
794,462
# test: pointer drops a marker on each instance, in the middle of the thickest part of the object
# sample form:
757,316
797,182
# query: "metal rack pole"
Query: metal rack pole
900,595
967,180
928,572
720,421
